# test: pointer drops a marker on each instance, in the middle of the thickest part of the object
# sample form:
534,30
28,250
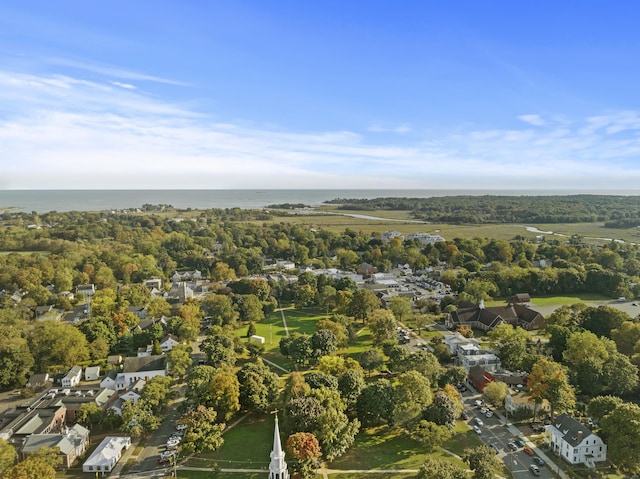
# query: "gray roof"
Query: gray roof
147,363
571,429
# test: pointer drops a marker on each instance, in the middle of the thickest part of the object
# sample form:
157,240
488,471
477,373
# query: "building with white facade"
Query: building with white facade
107,454
424,238
575,443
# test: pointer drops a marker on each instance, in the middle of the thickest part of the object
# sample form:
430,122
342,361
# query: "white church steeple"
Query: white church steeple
277,466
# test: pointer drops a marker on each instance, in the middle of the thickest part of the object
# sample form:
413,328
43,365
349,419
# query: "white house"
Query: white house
109,381
168,342
141,368
107,454
72,378
575,443
92,373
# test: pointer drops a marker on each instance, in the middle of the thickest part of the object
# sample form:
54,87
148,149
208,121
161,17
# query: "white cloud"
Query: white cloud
128,86
535,120
399,129
65,132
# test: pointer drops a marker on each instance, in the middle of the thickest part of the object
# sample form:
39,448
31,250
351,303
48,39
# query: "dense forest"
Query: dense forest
616,211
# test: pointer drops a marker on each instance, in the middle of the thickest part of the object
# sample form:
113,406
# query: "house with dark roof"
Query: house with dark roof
574,442
521,298
486,319
141,368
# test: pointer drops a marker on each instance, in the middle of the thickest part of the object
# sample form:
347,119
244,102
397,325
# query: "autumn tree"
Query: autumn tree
549,381
304,452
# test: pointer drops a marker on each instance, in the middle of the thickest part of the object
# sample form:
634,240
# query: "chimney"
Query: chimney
579,437
481,305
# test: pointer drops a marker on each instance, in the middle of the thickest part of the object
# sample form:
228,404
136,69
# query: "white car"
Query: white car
479,422
483,410
489,413
166,454
181,427
477,430
479,402
172,443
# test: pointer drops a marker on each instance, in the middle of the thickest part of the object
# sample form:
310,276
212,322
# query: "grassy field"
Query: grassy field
557,300
335,220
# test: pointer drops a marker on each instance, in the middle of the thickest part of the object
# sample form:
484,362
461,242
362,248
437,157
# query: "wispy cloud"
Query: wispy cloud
66,132
399,129
113,71
128,86
535,120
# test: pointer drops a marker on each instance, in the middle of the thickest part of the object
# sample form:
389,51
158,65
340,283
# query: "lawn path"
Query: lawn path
284,322
275,365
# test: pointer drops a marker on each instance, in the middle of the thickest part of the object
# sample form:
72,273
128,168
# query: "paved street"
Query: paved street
496,430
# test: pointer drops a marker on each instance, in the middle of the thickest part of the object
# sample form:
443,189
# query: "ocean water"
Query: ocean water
94,200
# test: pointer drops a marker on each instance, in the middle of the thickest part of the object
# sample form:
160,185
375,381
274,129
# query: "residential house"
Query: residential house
575,443
517,402
365,269
107,454
132,394
86,289
141,368
72,378
139,311
168,342
72,443
92,373
39,381
153,283
109,381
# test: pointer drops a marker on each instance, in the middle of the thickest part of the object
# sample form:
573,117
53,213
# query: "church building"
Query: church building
277,466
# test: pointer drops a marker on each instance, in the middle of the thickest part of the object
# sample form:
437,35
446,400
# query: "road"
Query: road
496,431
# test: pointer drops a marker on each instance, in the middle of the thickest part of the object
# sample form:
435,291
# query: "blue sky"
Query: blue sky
284,94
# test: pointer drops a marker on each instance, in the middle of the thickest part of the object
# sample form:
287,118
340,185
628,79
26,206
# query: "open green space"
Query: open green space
246,445
336,220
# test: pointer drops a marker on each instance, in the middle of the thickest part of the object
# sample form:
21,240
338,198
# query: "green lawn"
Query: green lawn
246,446
562,300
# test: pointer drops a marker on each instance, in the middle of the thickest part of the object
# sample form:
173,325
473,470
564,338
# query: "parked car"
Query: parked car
529,451
181,427
494,447
489,413
518,442
464,415
534,469
479,402
512,446
538,461
477,430
483,410
166,454
479,421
